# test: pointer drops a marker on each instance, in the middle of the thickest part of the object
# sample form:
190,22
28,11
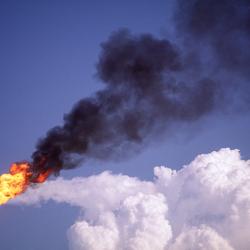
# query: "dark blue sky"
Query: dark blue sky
48,51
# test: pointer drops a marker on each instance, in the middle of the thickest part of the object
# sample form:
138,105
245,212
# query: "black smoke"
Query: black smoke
148,84
223,25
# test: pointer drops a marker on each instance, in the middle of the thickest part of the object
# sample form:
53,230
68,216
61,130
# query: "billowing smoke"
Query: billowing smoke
223,25
216,35
204,205
150,83
139,98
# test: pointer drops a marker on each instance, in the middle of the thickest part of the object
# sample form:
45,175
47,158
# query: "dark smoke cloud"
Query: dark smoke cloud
223,26
215,37
150,83
139,97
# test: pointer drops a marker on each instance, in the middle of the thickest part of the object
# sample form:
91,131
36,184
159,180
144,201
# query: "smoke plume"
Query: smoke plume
204,205
137,100
216,35
223,25
151,83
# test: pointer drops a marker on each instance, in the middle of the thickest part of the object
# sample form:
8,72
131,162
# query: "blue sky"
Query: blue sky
48,52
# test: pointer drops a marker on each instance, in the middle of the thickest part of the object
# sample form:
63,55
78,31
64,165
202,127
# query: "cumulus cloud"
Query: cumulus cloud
199,239
204,205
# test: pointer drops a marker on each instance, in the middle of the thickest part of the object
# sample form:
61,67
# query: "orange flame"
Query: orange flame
42,177
17,181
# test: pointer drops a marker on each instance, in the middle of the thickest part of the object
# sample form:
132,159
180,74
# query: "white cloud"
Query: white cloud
199,239
204,205
103,235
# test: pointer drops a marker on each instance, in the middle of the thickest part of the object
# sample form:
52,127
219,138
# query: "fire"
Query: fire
42,177
17,180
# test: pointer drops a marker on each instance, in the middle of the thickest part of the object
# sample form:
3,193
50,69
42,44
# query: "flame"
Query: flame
42,177
17,180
